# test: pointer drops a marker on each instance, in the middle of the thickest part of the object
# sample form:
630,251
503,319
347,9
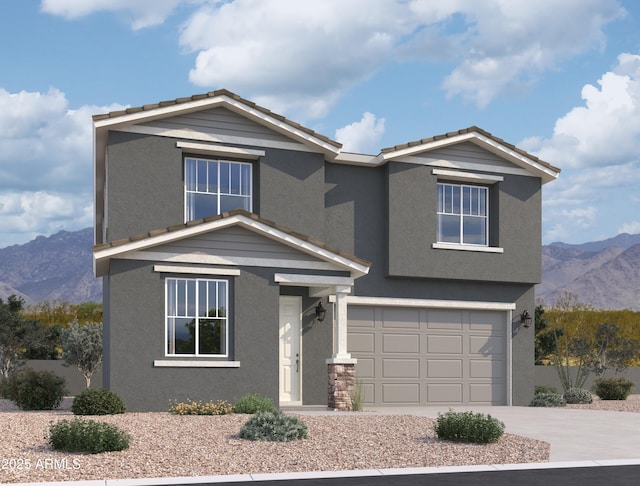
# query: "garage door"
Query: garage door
415,356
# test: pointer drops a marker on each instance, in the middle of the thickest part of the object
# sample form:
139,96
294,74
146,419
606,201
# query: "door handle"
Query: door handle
297,362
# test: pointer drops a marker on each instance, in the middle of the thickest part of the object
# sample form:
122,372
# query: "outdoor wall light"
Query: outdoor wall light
525,319
320,312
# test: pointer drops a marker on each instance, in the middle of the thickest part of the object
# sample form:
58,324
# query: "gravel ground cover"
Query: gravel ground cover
166,445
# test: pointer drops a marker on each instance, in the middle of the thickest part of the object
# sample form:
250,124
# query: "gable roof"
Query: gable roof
103,253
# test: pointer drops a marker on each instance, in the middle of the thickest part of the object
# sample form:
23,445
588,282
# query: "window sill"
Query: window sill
174,363
455,246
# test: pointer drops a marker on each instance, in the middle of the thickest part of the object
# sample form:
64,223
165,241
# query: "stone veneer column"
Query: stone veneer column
341,384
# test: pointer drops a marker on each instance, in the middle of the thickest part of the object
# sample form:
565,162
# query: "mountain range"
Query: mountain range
58,268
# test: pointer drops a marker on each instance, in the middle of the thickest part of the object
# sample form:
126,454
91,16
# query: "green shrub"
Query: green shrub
477,428
545,389
97,401
547,400
577,395
35,390
4,388
273,427
618,388
253,403
190,407
79,435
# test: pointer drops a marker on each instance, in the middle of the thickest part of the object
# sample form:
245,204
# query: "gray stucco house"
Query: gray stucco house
244,253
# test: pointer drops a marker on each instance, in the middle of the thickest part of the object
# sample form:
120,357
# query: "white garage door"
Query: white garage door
415,356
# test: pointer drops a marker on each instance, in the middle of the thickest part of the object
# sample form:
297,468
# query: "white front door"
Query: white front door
290,358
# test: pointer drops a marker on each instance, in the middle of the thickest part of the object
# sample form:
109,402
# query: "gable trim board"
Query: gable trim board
139,247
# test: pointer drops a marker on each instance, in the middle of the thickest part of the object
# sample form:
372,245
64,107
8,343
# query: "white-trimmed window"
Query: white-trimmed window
197,321
463,214
215,186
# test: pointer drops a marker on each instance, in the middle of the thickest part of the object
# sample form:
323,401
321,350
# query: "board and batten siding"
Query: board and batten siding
237,242
219,121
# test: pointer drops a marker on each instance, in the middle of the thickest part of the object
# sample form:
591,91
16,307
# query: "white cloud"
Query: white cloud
46,170
362,136
141,13
632,227
605,130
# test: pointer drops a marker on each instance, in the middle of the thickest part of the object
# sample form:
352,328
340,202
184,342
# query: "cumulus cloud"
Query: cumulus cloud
46,169
632,227
300,56
362,136
140,13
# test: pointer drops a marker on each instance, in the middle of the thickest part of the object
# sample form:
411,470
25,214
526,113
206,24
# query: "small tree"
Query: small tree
16,334
82,347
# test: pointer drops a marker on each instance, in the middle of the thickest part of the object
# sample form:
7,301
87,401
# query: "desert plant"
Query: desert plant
273,427
190,407
357,397
471,427
79,435
35,390
97,401
618,388
547,400
16,334
545,389
577,395
253,403
82,347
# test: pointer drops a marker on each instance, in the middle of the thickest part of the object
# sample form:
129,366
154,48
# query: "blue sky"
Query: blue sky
559,78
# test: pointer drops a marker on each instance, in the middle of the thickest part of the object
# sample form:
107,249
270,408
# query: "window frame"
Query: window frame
219,194
167,317
461,215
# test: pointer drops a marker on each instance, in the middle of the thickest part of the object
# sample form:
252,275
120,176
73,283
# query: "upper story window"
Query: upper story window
463,214
215,186
196,317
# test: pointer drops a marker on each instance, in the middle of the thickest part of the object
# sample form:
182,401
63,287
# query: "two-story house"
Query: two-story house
244,253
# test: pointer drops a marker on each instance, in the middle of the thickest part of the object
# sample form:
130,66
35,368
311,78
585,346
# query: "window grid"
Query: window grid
202,301
215,186
463,214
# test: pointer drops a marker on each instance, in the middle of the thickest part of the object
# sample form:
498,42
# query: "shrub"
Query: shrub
35,390
618,388
577,395
545,389
79,435
97,401
273,427
253,403
547,400
190,407
4,388
477,428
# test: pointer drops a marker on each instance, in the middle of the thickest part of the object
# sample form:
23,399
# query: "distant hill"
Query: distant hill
55,268
605,274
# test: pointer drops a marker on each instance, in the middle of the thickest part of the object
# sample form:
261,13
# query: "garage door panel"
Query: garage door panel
486,345
487,393
444,368
400,318
400,343
361,317
444,319
401,393
444,344
400,368
361,342
486,369
444,392
479,321
366,368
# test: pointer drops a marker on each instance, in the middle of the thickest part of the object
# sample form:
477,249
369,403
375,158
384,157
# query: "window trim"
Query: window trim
461,215
218,194
227,319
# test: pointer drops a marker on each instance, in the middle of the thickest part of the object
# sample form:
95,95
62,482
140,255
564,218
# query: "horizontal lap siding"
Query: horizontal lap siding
428,356
220,121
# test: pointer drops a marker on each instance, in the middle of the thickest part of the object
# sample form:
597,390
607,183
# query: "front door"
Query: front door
290,359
